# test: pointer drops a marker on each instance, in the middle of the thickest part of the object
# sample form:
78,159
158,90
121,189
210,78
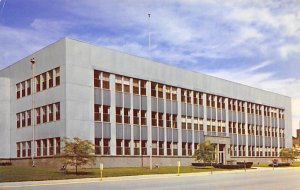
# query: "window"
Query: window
119,115
28,117
97,112
97,146
208,100
118,84
153,89
38,148
136,89
18,120
201,124
174,121
168,92
183,122
160,91
174,93
28,84
18,90
44,81
143,87
183,95
18,150
136,118
154,118
51,146
57,76
160,119
196,124
97,79
44,111
127,115
23,119
44,147
189,96
57,111
23,88
168,119
28,148
38,115
143,118
189,123
37,83
126,84
50,112
105,80
57,148
201,98
196,97
50,79
106,114
23,149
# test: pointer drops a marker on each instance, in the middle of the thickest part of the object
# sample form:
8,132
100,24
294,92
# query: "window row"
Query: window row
43,114
43,147
122,84
43,81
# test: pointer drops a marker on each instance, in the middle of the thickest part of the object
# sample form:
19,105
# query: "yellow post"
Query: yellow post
101,170
178,167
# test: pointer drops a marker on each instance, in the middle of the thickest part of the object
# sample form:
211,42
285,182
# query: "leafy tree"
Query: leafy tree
77,152
205,152
289,153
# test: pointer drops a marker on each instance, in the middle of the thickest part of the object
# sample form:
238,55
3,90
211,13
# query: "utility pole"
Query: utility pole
32,61
149,45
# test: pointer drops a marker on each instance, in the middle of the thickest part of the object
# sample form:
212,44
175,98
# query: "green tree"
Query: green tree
205,152
77,152
289,153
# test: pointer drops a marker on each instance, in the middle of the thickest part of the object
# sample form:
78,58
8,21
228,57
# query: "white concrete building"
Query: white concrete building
130,106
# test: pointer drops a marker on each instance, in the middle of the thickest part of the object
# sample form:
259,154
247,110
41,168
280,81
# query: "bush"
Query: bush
248,164
5,164
284,164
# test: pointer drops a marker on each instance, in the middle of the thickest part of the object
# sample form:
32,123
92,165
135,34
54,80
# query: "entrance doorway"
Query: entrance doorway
221,151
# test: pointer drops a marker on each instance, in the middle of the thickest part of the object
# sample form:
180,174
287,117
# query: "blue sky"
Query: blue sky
252,42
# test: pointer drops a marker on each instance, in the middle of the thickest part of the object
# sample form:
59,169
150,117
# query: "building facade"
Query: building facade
131,107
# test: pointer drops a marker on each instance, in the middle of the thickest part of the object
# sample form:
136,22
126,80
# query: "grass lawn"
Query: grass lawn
13,173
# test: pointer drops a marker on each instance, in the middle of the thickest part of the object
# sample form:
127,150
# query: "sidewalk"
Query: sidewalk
8,185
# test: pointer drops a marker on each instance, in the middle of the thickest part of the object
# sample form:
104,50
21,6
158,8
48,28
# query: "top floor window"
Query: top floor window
200,98
183,95
196,97
57,76
208,100
18,90
168,92
28,84
50,79
174,93
135,87
189,96
118,83
160,91
153,89
101,79
143,87
126,84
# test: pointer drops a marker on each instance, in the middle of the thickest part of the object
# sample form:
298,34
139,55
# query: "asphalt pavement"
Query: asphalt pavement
255,179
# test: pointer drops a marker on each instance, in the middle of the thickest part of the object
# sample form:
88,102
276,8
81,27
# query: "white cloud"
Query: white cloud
289,49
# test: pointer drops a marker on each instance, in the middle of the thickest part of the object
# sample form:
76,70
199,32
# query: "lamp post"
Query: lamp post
149,45
32,61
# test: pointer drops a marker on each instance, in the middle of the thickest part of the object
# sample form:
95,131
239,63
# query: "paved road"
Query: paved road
280,178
